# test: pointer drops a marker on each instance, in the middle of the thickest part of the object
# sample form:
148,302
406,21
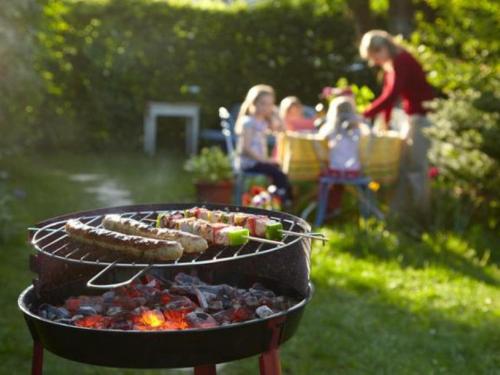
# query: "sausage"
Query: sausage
191,243
139,247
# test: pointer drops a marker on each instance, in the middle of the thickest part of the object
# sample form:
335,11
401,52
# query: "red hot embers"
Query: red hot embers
184,303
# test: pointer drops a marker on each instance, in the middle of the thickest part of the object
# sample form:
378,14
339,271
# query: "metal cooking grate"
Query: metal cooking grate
53,241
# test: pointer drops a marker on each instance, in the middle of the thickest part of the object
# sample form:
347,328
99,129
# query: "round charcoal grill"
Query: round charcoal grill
284,268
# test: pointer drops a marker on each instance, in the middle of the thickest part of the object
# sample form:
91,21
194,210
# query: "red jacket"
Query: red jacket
406,81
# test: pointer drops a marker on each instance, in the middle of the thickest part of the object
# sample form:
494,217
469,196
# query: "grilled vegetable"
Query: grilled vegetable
258,225
139,247
216,233
191,243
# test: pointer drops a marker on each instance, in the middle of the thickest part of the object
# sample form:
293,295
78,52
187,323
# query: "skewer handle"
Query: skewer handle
313,236
264,240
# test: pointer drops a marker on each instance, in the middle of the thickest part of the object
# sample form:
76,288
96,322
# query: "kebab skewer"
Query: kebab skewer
216,233
258,225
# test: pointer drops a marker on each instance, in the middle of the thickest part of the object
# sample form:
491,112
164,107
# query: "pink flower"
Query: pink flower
433,172
345,91
256,190
326,92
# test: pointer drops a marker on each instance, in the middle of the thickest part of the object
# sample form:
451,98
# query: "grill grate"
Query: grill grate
53,241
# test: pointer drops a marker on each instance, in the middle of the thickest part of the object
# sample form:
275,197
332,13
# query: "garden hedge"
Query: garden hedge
101,61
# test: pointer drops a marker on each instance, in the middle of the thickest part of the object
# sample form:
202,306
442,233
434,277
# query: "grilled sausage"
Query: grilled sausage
191,243
140,247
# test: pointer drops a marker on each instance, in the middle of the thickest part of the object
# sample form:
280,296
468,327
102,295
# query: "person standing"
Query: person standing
405,80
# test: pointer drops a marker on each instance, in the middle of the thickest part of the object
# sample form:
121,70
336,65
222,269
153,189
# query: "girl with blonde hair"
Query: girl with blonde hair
292,115
257,117
343,129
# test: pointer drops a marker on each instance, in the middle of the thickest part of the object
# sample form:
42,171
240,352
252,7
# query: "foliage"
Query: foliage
465,149
211,165
459,45
363,95
5,212
461,52
20,85
101,61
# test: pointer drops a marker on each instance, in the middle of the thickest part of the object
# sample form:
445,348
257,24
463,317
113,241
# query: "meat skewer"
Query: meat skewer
191,243
216,233
136,246
258,225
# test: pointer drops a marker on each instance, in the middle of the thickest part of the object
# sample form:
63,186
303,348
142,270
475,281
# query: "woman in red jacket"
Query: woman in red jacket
404,79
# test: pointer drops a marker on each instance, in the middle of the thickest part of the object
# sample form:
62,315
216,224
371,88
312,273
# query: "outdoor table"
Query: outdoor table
190,111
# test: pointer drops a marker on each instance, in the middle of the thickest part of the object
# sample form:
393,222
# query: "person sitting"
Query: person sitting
292,115
257,117
343,129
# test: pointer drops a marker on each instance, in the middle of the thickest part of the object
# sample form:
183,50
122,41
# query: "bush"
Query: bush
211,165
462,55
465,149
20,85
103,60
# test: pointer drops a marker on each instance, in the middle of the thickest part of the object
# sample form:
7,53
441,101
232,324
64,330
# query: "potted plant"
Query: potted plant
212,175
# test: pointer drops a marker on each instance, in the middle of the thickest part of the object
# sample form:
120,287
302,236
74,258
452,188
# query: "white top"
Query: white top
258,143
344,150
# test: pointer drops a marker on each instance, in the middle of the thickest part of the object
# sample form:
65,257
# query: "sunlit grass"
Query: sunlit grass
384,303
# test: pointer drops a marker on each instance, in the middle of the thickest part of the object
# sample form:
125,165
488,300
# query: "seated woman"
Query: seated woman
256,119
292,115
343,129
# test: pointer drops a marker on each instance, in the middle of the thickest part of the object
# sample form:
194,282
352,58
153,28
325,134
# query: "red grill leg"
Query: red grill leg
37,360
269,363
205,370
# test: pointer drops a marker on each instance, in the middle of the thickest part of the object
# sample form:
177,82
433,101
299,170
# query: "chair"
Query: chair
366,198
240,176
367,203
215,135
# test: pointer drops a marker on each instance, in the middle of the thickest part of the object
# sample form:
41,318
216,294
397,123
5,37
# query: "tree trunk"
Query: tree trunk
362,15
401,13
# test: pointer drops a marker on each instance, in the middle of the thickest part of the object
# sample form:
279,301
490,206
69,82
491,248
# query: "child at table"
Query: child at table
343,129
257,117
292,115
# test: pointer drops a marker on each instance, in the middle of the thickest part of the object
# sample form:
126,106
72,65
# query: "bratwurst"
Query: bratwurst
136,246
191,243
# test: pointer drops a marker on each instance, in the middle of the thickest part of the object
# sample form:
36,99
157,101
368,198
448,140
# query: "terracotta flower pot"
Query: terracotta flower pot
214,192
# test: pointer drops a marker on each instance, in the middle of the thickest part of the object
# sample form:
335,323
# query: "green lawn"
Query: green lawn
384,303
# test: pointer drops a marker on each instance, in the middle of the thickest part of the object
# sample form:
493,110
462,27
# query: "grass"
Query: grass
384,303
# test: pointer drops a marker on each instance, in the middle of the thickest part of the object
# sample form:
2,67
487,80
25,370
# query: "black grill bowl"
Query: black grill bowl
161,349
285,270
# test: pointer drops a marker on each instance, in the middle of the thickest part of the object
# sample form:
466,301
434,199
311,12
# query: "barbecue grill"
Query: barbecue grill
65,269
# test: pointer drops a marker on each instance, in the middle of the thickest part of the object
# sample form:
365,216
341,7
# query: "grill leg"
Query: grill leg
269,363
205,370
37,360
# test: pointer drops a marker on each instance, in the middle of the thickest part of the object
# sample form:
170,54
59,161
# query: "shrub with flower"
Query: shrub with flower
260,197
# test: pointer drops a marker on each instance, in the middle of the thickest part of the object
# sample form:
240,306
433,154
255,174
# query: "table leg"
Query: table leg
192,130
149,135
195,133
189,136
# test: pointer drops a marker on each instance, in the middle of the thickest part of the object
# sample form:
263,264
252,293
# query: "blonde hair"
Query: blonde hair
288,103
342,109
374,40
253,95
